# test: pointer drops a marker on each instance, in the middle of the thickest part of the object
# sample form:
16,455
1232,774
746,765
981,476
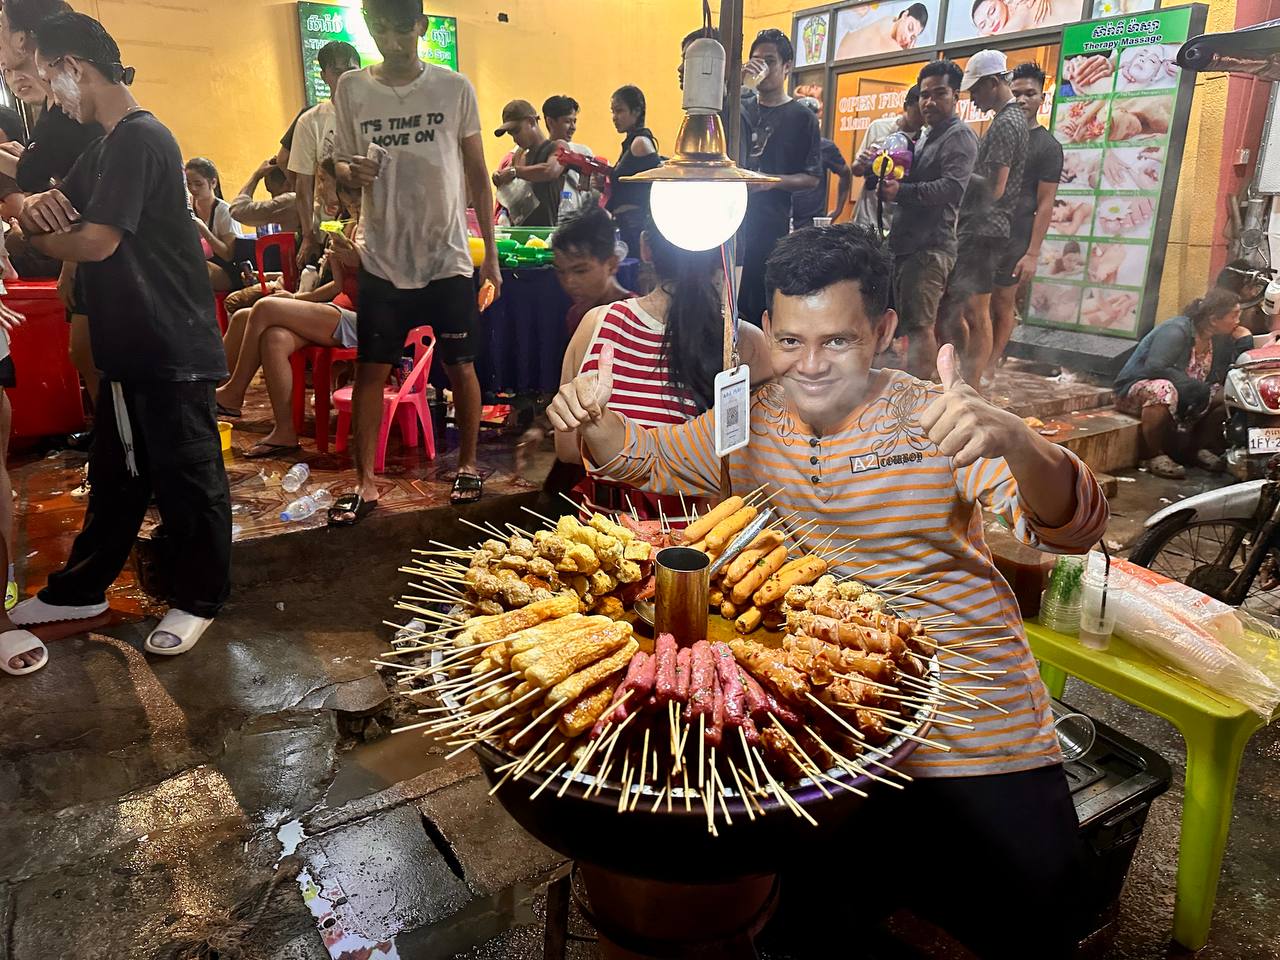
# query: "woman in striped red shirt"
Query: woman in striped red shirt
667,348
984,840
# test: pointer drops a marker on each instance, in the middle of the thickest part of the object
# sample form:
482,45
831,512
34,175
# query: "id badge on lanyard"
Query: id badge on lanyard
733,409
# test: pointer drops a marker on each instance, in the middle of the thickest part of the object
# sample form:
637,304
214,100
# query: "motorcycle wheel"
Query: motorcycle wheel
1187,550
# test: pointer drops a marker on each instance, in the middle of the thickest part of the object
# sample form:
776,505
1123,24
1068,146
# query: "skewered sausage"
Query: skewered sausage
770,668
757,702
683,668
758,576
702,671
666,652
803,571
757,550
730,527
703,525
715,723
731,685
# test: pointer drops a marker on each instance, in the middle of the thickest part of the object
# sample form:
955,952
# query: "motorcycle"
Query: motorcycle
1226,542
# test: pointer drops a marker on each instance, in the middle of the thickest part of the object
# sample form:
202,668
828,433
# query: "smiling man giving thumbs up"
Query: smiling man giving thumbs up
899,474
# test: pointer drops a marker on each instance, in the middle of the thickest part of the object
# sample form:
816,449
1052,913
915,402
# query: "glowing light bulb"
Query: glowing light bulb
698,215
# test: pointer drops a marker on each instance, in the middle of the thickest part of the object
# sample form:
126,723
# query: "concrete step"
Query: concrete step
1103,438
1031,395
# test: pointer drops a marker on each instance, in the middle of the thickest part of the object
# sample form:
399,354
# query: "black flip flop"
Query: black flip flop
229,413
354,504
261,451
467,488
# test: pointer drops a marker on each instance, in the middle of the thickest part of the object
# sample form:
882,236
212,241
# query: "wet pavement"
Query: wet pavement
149,803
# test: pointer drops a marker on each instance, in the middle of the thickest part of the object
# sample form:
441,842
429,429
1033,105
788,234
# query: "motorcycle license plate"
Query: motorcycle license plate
1264,439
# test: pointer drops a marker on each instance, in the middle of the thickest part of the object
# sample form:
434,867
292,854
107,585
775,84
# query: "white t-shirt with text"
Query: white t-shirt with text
415,214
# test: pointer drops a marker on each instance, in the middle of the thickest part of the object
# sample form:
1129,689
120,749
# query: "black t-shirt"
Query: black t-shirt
287,140
1044,165
547,211
12,125
808,204
151,313
56,144
778,140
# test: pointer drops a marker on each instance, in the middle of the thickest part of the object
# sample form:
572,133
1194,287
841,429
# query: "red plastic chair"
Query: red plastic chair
288,259
321,360
220,306
406,405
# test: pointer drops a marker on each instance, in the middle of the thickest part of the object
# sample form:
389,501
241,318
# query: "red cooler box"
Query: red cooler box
47,399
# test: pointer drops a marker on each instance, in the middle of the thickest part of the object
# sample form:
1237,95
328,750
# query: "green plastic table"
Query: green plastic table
1216,729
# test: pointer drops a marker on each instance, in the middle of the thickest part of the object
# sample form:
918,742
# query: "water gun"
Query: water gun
891,162
588,167
893,159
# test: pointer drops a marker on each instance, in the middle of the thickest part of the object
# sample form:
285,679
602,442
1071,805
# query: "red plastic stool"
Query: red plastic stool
321,360
405,405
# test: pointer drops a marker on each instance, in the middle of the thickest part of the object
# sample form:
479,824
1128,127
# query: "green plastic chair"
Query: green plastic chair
1216,729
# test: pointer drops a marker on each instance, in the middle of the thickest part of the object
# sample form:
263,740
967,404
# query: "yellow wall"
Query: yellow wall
225,75
1191,234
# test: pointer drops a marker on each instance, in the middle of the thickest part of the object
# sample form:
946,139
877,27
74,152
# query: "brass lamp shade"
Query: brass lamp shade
700,157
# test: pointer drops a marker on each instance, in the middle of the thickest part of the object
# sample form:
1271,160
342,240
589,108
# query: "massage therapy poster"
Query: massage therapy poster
321,23
1120,113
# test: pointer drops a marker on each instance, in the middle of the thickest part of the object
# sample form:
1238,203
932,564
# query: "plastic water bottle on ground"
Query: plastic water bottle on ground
300,509
295,478
323,498
412,630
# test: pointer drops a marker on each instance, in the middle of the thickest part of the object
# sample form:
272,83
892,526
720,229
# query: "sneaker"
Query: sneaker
1211,461
1164,466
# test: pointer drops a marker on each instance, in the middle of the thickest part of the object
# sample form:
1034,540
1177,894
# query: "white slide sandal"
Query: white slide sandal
34,611
16,642
185,627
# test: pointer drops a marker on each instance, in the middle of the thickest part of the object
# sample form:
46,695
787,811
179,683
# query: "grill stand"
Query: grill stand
649,920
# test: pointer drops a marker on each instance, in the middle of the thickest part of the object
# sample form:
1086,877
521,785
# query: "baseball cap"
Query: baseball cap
984,63
514,114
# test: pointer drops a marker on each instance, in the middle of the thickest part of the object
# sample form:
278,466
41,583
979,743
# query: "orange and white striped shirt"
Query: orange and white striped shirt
878,479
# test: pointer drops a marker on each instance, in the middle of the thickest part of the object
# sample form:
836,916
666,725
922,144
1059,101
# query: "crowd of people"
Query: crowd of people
963,230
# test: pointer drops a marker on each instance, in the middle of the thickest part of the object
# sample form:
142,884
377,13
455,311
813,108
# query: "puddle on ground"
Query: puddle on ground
368,768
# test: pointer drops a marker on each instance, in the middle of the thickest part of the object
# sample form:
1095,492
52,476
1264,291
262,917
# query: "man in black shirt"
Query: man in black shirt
808,204
923,235
985,214
1033,210
780,137
122,214
537,162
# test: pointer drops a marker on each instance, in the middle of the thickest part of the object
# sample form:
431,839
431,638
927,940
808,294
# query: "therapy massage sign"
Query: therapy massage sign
1120,115
321,23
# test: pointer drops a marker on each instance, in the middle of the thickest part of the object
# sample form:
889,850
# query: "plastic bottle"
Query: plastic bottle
295,478
310,277
412,630
322,497
300,509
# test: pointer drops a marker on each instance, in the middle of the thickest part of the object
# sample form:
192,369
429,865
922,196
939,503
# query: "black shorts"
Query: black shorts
8,373
975,269
387,314
1015,251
